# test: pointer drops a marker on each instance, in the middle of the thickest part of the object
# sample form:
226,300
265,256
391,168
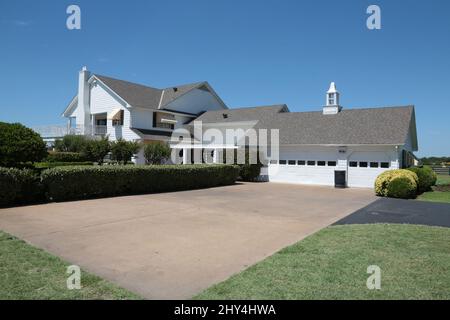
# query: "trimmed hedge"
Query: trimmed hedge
19,187
399,183
65,157
47,165
427,178
73,183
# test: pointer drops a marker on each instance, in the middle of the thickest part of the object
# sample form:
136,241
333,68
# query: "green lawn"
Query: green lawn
332,264
442,195
435,196
30,273
443,180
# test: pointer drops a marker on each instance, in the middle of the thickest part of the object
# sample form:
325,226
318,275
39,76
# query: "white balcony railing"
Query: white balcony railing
56,131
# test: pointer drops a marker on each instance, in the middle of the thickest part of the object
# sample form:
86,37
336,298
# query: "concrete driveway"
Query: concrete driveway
174,245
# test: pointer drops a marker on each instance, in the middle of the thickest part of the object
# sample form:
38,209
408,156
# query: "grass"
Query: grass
443,180
435,196
441,192
332,264
30,273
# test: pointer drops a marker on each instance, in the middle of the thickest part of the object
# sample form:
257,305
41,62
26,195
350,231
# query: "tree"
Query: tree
156,153
71,143
122,150
96,150
19,145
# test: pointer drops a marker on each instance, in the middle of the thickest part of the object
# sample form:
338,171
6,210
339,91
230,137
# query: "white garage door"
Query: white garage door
364,168
296,168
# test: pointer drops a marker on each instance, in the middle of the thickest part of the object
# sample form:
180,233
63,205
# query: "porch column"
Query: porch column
215,155
186,155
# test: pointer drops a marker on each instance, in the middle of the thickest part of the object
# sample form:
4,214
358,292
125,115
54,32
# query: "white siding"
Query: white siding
102,100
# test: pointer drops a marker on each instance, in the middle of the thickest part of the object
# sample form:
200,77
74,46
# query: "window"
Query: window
180,154
385,165
311,163
273,161
291,162
353,164
331,101
301,162
282,161
363,164
332,163
100,122
374,164
321,163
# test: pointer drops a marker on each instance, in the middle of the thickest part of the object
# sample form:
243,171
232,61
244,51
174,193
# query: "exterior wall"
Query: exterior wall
324,175
195,101
103,101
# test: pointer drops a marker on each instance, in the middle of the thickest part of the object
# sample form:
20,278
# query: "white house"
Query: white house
314,147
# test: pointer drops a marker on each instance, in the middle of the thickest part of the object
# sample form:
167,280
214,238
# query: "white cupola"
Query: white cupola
332,103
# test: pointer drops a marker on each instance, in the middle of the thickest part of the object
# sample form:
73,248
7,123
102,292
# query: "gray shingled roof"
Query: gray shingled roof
243,114
142,96
135,94
387,125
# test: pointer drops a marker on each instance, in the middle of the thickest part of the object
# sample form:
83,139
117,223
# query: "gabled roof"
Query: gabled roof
138,95
135,94
377,126
172,93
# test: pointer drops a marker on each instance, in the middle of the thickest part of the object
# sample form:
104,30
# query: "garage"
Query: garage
365,167
304,167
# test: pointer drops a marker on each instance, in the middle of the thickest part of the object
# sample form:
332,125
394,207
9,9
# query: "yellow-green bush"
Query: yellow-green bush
398,183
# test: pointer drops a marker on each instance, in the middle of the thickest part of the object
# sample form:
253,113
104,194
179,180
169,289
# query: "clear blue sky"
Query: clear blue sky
252,52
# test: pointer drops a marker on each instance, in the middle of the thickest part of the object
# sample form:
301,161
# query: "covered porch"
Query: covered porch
200,153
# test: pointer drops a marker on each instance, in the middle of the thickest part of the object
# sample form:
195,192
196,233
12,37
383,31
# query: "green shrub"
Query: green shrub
19,145
71,143
96,149
398,183
19,187
247,172
71,183
65,157
156,153
427,178
47,165
122,151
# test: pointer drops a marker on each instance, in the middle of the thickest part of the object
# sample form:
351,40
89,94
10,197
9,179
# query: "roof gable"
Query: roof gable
136,95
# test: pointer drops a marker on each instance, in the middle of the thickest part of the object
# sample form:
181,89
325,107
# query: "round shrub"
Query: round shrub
398,183
427,178
402,187
19,145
